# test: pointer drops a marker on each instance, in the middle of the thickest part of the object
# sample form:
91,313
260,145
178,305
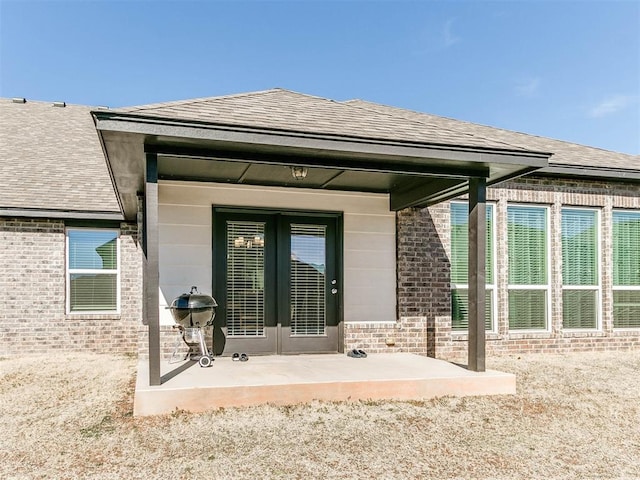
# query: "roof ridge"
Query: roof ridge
418,121
189,101
495,128
48,102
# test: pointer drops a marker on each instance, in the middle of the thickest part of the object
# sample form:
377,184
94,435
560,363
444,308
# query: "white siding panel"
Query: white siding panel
186,215
385,243
369,239
370,223
185,254
188,275
370,278
357,258
185,234
173,193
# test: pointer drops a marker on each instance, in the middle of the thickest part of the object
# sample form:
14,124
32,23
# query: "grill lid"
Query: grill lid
193,300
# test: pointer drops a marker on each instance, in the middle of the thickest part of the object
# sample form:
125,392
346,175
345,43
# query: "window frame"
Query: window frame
598,287
71,271
615,287
492,287
547,287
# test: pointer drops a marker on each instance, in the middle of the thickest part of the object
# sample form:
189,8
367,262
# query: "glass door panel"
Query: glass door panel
309,285
307,279
245,279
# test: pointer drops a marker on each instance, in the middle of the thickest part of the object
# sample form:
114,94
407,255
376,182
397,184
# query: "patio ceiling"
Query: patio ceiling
412,173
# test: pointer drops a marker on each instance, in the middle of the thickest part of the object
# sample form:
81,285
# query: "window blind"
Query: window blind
460,309
626,248
527,309
527,240
626,269
93,292
245,279
579,247
460,243
307,276
527,256
626,308
579,233
92,249
460,266
579,309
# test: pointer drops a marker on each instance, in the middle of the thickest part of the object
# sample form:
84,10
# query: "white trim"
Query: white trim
547,286
69,272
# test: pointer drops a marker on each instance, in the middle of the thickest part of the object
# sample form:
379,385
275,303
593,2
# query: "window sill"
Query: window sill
463,337
93,316
626,332
526,335
582,333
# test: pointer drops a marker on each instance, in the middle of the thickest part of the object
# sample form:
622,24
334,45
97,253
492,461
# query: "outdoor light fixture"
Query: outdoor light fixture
299,173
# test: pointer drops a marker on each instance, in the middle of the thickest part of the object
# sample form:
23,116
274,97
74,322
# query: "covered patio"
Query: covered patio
259,139
288,380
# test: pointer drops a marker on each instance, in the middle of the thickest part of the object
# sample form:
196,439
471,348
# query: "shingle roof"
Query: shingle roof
564,153
286,110
51,159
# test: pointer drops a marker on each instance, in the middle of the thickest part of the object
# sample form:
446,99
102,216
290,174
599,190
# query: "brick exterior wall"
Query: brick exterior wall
424,298
33,317
423,289
556,194
32,285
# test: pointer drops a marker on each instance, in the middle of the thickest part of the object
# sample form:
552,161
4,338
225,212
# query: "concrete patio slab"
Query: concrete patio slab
286,380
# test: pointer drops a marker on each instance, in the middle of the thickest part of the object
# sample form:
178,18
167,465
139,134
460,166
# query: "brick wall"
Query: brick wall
32,285
556,194
33,315
424,315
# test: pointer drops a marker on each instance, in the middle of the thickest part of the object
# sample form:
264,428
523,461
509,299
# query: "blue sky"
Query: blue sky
562,69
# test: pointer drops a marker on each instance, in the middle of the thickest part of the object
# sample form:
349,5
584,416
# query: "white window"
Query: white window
580,269
459,214
528,243
93,271
626,269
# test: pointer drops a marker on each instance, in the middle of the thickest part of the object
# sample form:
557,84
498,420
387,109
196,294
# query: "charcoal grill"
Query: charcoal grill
192,312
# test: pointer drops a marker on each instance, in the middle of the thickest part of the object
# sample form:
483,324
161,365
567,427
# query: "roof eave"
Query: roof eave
60,214
161,126
198,139
591,172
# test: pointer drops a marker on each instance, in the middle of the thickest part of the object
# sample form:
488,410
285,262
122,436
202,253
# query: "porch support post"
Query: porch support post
477,262
151,266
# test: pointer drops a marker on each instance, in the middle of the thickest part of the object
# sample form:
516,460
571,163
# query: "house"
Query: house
318,226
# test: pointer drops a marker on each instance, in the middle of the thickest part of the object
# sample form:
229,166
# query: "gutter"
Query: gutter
591,172
60,214
151,125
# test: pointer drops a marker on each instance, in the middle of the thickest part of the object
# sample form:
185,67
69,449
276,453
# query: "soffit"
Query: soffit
343,147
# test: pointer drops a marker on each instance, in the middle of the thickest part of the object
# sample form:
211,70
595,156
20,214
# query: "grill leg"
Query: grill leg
203,346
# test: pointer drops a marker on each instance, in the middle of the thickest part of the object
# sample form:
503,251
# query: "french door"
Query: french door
277,281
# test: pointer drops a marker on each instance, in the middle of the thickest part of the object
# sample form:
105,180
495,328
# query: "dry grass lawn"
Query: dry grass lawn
575,416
